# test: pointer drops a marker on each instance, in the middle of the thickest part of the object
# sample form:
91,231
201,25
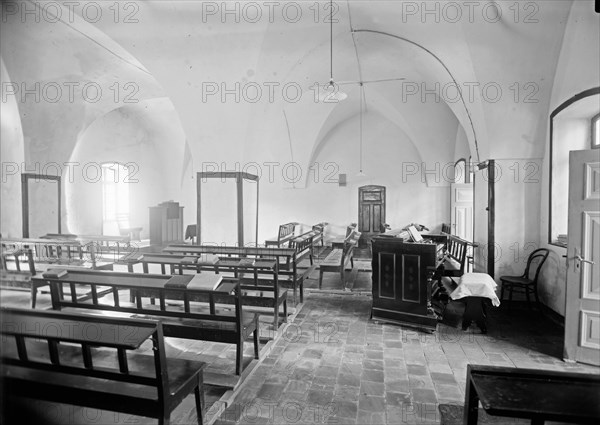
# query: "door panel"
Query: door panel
365,219
371,207
461,210
376,221
582,317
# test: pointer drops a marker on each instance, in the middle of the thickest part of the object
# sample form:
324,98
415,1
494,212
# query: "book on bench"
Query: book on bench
55,273
189,260
208,260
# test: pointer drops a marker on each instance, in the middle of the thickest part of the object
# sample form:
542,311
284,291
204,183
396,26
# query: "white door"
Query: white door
461,210
582,313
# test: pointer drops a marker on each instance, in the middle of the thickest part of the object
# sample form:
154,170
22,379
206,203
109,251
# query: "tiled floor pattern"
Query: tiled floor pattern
333,365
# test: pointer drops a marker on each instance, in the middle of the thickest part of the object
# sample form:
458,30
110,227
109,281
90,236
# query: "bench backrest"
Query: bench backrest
350,243
23,259
286,232
350,229
285,256
223,263
319,227
457,250
303,245
30,336
51,250
81,282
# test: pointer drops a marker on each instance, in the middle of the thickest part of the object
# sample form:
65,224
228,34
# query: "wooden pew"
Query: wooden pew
53,356
20,276
197,318
338,258
306,242
455,259
456,256
61,251
319,231
286,232
40,254
118,244
303,244
263,291
339,243
287,260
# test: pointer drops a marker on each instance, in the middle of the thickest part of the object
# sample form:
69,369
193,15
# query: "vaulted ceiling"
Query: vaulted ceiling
191,52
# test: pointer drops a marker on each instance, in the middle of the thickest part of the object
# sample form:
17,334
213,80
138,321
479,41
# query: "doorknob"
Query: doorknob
583,260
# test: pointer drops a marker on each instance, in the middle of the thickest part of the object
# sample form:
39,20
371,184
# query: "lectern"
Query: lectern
402,276
166,223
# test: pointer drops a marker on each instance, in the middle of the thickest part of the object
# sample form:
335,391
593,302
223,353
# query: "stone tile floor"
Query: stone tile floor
334,365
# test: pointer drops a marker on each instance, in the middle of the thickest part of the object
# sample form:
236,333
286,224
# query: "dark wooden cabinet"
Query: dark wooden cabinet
166,223
402,278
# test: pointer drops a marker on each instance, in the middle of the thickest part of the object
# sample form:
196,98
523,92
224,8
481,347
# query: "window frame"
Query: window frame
595,139
586,93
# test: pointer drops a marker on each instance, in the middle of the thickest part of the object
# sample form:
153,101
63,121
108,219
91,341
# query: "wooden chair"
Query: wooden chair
524,283
446,228
125,229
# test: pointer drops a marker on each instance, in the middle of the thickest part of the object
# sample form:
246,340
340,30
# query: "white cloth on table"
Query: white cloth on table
476,285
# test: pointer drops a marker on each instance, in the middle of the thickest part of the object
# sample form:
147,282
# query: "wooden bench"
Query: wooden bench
289,275
62,358
43,253
204,312
537,395
63,251
456,257
263,291
286,232
319,230
339,243
118,244
338,258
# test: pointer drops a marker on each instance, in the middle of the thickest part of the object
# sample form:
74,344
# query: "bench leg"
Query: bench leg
301,291
276,319
256,343
285,313
33,294
471,404
320,278
165,419
239,356
199,396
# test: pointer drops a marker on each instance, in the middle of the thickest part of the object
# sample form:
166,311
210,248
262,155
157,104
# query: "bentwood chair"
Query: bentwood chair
527,282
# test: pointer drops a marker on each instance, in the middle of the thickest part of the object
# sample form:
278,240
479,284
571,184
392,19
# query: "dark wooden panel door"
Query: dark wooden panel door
371,210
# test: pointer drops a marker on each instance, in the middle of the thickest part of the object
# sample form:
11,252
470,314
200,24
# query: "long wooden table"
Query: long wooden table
539,395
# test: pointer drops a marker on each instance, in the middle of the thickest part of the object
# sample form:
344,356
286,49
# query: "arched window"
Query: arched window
115,197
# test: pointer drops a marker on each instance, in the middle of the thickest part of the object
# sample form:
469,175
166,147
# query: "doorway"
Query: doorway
371,212
41,204
582,306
